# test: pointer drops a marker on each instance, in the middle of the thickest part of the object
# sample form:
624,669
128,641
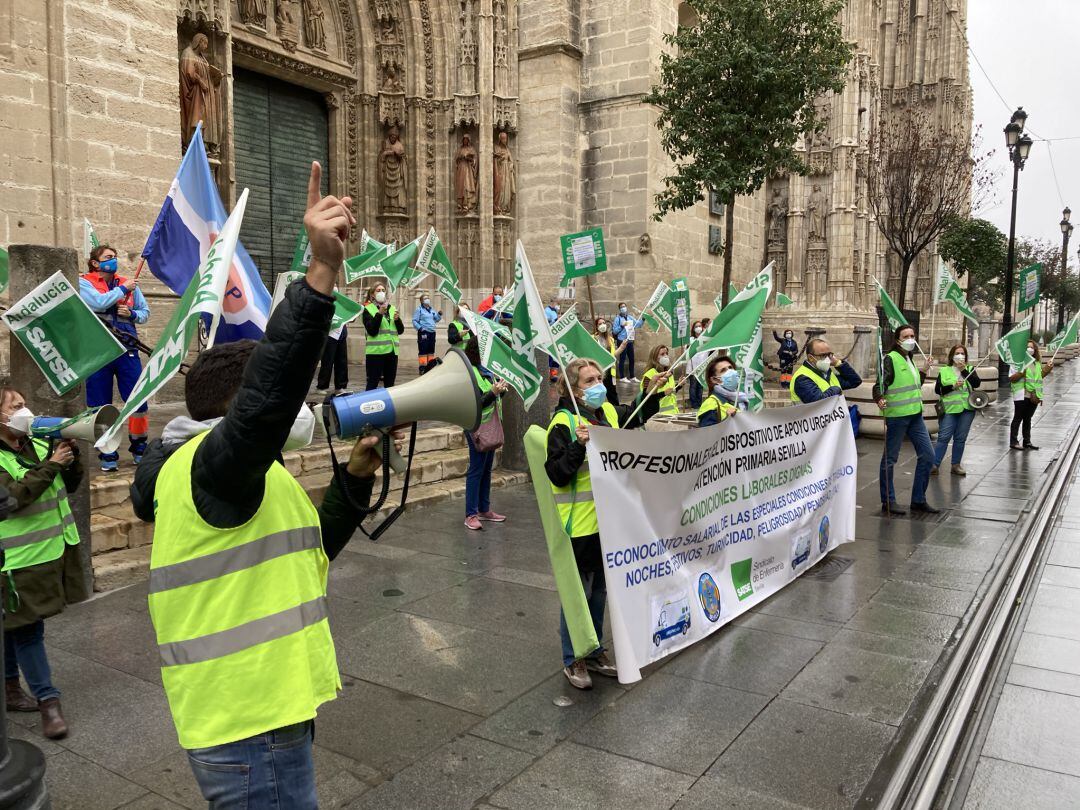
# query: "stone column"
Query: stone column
485,61
862,351
30,266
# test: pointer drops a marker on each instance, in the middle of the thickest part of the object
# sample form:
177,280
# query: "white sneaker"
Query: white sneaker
624,379
635,379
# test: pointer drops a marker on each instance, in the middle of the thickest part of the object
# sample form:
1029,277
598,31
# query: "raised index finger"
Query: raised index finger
314,185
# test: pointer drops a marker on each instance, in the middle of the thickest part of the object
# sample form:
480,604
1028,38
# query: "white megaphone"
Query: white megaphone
88,426
448,393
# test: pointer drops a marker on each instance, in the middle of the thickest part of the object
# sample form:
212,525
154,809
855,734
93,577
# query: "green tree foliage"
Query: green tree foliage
977,249
736,91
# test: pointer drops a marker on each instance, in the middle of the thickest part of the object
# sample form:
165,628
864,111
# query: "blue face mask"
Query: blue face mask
595,395
108,266
498,298
729,380
622,310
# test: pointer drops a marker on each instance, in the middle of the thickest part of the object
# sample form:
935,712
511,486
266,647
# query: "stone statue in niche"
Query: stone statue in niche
391,83
505,185
816,214
286,17
644,244
252,12
199,94
466,173
392,164
314,27
777,218
386,30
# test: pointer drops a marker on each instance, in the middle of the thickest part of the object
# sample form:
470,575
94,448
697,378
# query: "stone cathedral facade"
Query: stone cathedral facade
491,120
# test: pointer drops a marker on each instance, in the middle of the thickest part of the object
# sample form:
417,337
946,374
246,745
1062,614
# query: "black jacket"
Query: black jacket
565,454
890,374
973,381
229,470
372,323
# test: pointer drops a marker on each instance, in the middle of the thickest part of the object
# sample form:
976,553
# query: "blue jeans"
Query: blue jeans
898,428
478,479
271,771
24,649
695,392
953,426
626,361
596,596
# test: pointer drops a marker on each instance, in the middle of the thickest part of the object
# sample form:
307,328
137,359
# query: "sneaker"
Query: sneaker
136,459
958,470
924,507
578,675
321,391
339,391
635,379
108,466
1030,446
494,517
602,665
933,470
473,522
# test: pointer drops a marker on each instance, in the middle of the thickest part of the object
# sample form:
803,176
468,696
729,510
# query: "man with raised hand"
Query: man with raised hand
240,557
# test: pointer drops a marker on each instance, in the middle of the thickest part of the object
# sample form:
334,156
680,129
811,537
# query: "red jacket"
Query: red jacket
99,284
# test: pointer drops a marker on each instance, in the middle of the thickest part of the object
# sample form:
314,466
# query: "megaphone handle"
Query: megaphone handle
397,463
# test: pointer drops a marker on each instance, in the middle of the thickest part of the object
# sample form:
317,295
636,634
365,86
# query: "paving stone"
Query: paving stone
1045,679
829,602
1058,654
1061,575
805,755
1000,785
516,610
709,794
517,575
455,776
744,658
890,620
783,626
575,777
390,583
533,723
76,783
927,598
151,801
1019,729
1065,554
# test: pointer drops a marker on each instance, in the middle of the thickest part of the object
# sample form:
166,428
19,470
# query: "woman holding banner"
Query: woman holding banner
723,380
658,368
954,385
1027,393
568,472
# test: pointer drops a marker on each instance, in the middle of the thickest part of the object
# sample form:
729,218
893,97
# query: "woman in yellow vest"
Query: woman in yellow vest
1027,394
899,396
41,570
658,367
568,471
383,326
954,385
723,379
602,333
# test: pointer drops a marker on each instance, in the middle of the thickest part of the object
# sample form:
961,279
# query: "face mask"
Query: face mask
664,360
909,344
1031,351
461,312
498,298
380,297
697,330
21,420
823,364
959,359
602,328
595,395
555,307
426,302
730,379
108,266
622,310
302,430
787,335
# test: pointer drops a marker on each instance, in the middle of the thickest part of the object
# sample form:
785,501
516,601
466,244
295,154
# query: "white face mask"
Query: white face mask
1031,351
602,328
462,311
959,359
823,364
21,420
697,330
908,344
380,297
302,430
426,302
664,360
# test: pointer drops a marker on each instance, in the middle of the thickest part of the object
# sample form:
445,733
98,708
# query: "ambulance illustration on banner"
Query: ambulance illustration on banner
672,619
800,550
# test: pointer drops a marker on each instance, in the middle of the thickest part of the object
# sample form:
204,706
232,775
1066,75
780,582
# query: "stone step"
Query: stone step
125,566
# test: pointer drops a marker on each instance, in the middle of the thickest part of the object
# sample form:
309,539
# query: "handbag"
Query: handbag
489,436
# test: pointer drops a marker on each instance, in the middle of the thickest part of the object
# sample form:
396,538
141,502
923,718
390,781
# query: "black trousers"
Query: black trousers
380,367
1023,410
335,358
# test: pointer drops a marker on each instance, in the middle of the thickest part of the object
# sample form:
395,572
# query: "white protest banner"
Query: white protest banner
63,337
699,526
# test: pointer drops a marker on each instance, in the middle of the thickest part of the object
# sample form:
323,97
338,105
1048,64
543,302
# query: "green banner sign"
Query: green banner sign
583,254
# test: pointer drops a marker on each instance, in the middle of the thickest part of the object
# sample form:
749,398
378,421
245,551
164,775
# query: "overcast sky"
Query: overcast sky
1026,48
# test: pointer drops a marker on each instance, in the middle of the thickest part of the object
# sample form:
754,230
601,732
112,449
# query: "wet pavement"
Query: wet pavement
447,641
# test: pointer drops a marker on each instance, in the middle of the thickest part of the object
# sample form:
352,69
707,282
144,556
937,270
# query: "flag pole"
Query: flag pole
650,391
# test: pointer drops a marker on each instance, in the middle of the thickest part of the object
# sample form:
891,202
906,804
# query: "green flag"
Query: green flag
680,313
561,551
1030,284
434,259
5,273
449,290
1067,336
301,257
732,291
583,254
63,337
503,304
367,264
1012,348
879,358
659,307
530,326
345,312
90,239
735,324
572,340
750,359
893,315
397,265
204,296
501,359
783,301
948,289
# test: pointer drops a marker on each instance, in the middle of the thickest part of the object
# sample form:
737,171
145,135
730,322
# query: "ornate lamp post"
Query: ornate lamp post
1019,146
1066,232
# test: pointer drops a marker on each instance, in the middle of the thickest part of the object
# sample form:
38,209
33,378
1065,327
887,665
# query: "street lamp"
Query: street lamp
1019,146
1066,232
